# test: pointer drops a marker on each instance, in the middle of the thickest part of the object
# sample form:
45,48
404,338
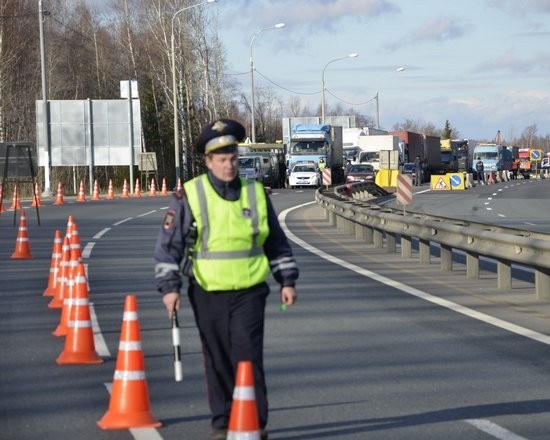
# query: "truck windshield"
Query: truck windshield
487,155
246,162
369,157
308,147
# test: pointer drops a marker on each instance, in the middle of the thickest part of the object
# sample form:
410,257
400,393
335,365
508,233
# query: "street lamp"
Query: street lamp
252,125
399,69
174,90
351,55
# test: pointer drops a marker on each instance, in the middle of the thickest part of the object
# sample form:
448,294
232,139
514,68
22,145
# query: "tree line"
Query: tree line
89,50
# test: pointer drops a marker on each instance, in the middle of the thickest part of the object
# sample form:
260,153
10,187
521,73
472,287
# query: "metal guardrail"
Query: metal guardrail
352,207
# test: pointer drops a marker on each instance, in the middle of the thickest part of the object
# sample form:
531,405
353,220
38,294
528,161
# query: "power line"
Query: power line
350,103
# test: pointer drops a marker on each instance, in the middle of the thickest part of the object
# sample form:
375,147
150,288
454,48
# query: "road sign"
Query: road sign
441,183
536,155
404,194
456,180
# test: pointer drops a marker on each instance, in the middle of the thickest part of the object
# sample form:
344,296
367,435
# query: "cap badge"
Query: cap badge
219,126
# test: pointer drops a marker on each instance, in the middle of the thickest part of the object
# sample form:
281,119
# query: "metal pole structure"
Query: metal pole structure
351,55
174,89
377,112
45,113
252,122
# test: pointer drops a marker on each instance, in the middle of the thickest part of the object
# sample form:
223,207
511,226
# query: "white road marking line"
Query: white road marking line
466,311
122,221
99,340
493,429
147,213
484,425
101,233
86,252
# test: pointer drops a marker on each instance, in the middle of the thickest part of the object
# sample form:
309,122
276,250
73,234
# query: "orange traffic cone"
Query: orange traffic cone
153,190
15,199
54,264
81,193
110,192
22,246
243,420
129,405
178,187
59,198
36,199
95,193
125,193
164,191
62,275
137,189
70,282
2,207
79,343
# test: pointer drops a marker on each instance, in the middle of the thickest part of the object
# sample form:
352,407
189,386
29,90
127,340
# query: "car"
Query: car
360,172
303,175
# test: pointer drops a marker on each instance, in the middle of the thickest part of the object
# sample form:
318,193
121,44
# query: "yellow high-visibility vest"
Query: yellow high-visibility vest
228,253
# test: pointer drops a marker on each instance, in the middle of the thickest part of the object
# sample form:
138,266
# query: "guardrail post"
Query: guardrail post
542,283
340,222
406,246
472,265
504,274
446,253
391,242
332,218
378,238
349,226
424,251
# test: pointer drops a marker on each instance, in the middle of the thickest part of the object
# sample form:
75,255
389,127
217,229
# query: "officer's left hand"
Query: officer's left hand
288,295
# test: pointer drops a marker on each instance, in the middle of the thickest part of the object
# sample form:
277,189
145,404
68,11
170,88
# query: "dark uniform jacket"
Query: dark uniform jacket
171,244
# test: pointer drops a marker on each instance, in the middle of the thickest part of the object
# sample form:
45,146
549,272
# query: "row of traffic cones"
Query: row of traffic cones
81,197
129,405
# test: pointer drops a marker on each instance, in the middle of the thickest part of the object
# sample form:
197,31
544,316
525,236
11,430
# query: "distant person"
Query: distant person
515,168
418,171
348,166
480,171
322,164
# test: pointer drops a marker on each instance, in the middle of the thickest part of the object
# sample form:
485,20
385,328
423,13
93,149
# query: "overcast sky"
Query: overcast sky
482,64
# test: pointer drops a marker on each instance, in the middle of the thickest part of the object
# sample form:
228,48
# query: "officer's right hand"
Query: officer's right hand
172,302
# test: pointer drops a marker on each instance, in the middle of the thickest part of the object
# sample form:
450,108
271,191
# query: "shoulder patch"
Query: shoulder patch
169,218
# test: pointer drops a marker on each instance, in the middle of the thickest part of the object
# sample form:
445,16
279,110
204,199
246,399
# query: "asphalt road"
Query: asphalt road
376,347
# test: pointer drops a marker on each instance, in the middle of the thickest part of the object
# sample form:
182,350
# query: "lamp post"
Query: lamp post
399,69
351,55
252,124
174,87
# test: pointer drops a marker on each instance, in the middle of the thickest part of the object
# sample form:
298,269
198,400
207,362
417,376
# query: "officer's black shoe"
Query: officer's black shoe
218,434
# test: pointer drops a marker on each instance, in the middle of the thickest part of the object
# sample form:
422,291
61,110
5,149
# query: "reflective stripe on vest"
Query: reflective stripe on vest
228,254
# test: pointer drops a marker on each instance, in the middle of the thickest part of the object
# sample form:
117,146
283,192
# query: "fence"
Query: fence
352,208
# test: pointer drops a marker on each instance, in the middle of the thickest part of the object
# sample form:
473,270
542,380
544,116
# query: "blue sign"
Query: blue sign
536,154
456,180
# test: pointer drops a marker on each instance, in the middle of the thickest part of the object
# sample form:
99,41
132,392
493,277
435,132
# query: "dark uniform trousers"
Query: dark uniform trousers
231,328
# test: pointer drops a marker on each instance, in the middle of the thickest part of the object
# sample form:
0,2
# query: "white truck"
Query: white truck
351,136
371,146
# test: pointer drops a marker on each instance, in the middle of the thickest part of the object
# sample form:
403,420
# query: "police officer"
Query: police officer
224,231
